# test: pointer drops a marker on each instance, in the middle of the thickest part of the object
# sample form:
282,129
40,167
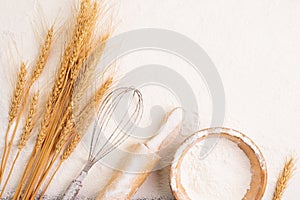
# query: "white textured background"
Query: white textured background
255,46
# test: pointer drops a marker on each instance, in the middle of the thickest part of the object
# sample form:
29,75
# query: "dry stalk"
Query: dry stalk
63,124
65,134
69,149
284,177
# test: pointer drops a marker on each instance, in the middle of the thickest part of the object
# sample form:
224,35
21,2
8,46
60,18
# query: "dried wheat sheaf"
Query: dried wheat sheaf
62,125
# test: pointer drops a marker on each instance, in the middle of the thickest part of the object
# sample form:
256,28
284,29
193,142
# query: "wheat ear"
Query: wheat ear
43,56
30,122
64,135
102,90
284,177
71,147
18,93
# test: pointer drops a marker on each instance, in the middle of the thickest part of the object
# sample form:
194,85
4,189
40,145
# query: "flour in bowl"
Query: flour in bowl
223,174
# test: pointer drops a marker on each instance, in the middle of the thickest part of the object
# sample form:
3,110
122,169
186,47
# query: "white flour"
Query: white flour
223,174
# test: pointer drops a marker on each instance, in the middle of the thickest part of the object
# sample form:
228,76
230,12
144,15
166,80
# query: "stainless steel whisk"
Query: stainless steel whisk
100,145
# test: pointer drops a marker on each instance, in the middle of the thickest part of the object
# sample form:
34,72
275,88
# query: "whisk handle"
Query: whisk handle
75,187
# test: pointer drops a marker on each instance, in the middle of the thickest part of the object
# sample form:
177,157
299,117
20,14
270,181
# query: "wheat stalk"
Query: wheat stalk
284,177
64,124
65,133
38,69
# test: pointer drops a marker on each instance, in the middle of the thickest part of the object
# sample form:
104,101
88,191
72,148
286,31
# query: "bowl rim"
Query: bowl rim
257,160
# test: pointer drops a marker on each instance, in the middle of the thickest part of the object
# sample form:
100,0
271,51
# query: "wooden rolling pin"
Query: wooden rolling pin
123,184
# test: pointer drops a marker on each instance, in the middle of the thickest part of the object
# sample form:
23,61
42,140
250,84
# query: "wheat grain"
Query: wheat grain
39,66
284,177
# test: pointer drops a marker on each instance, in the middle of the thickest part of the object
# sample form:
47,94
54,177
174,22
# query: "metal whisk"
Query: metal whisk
102,143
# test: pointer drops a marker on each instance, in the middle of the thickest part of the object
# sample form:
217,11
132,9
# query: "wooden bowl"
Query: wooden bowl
257,161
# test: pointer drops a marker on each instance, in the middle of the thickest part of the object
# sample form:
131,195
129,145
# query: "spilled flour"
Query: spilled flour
223,174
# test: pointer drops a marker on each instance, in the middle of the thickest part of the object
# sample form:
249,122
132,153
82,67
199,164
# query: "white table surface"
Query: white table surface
255,46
